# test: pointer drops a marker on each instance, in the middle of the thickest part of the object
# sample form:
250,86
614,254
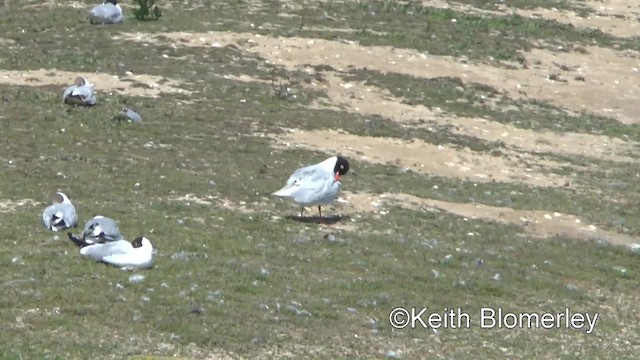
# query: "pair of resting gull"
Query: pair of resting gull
81,94
101,239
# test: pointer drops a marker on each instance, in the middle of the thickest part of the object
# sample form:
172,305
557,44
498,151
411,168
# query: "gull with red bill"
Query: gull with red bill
315,185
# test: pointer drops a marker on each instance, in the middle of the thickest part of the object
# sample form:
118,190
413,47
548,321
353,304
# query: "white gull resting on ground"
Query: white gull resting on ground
316,184
109,12
61,214
126,255
80,93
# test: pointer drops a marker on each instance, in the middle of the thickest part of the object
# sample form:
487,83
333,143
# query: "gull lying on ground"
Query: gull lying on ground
61,214
80,93
126,255
109,12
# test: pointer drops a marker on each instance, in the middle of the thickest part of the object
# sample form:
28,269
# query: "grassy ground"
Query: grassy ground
249,283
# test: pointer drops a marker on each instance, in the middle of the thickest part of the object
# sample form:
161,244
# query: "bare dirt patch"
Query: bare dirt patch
363,99
615,18
134,84
601,81
360,98
425,158
535,222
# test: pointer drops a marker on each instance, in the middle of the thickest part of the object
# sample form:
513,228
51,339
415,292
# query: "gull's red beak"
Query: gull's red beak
336,177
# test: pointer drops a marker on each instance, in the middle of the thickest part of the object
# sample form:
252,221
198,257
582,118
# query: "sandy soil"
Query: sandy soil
617,18
535,222
103,82
609,87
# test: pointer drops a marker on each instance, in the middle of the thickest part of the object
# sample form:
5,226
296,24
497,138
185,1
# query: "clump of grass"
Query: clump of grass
148,10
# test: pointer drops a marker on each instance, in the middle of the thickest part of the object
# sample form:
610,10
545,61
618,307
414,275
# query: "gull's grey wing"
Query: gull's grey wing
79,95
59,217
132,115
101,228
105,14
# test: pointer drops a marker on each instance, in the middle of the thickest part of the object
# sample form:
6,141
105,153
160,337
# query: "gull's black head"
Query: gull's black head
342,166
137,242
114,2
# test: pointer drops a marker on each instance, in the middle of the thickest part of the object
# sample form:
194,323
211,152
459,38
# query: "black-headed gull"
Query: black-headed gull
80,93
61,214
100,229
109,12
316,184
126,255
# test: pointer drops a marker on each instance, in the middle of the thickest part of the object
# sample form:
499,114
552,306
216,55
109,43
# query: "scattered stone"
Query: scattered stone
145,298
330,237
214,295
352,310
301,239
264,272
447,259
392,355
136,278
572,287
181,256
497,277
196,309
436,273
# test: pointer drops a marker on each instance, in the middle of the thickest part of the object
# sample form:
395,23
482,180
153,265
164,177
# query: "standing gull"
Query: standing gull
109,12
316,184
80,93
61,214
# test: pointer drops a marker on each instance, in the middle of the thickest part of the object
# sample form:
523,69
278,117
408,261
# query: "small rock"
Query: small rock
263,307
182,256
136,278
264,272
497,277
447,259
196,309
120,298
214,295
392,355
145,298
301,239
330,237
352,310
436,273
572,287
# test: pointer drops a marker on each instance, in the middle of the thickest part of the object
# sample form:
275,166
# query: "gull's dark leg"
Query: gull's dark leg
321,218
301,210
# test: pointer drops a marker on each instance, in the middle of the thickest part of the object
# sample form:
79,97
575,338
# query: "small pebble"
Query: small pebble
136,278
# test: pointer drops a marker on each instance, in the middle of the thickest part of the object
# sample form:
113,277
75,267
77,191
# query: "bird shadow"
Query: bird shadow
330,220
